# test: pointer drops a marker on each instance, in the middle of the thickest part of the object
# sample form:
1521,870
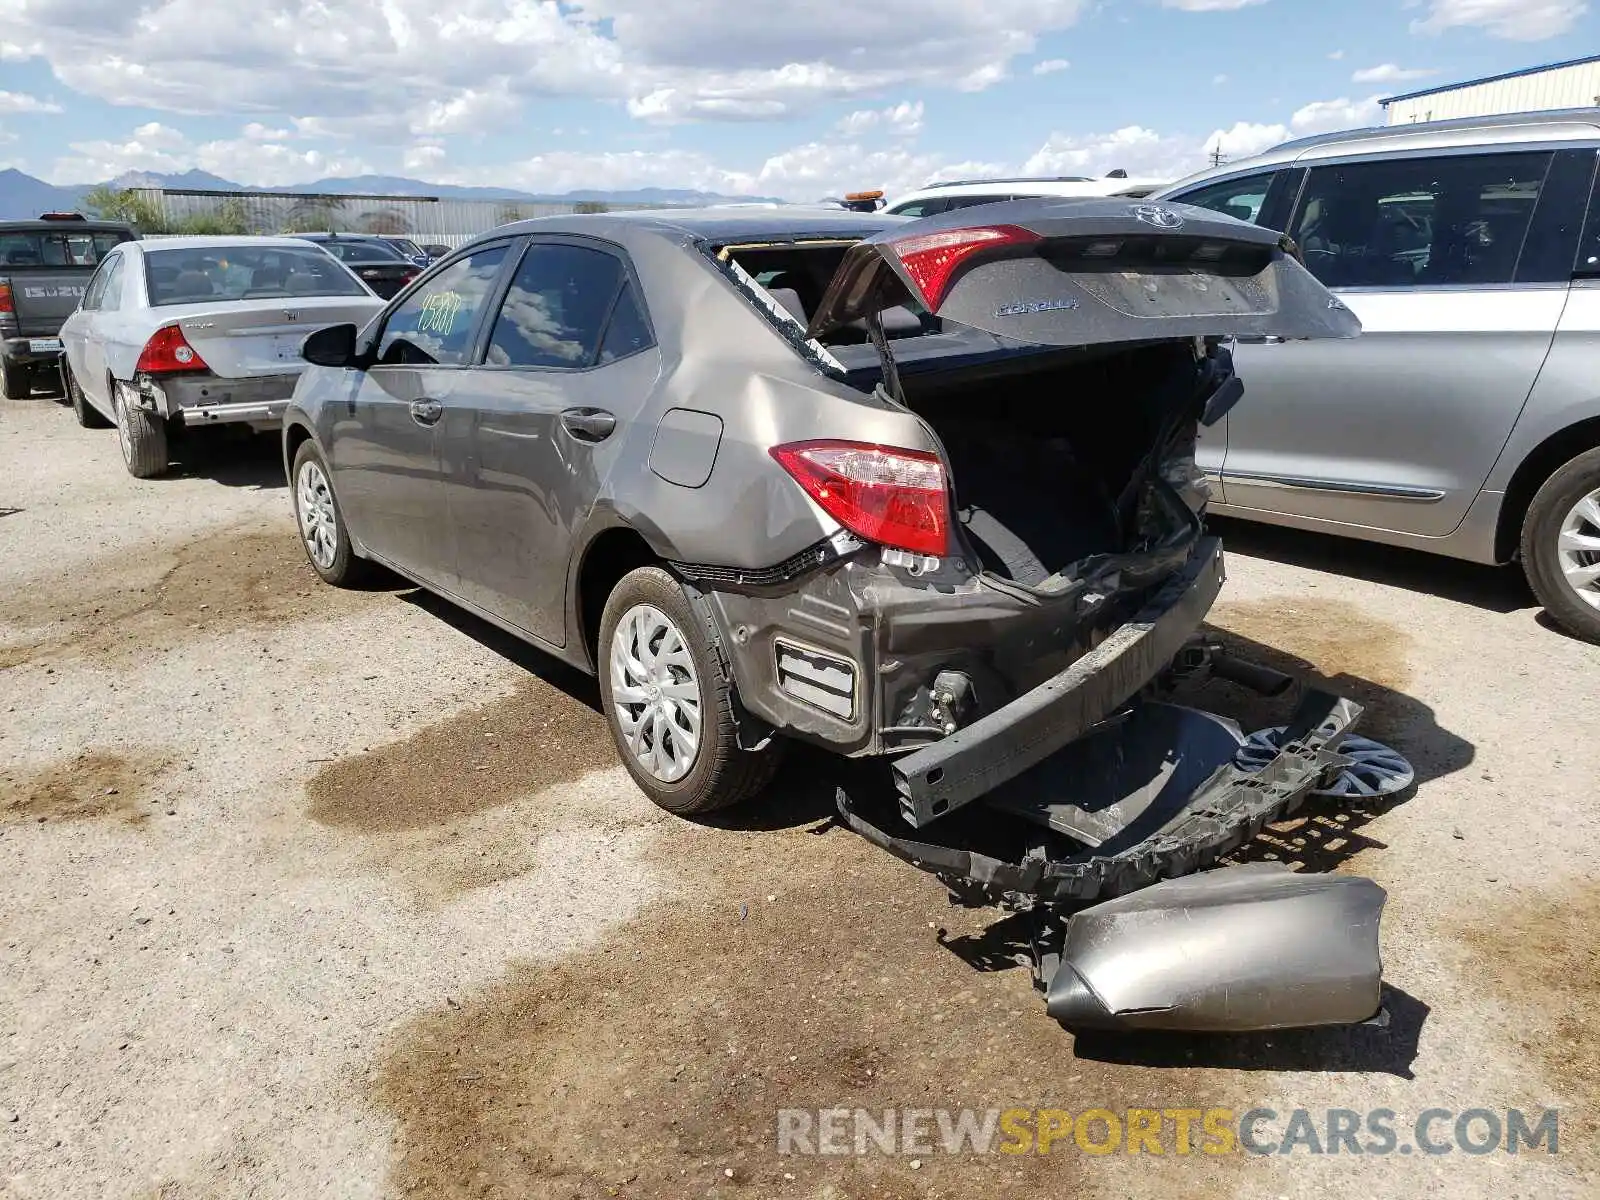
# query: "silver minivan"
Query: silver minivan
1466,419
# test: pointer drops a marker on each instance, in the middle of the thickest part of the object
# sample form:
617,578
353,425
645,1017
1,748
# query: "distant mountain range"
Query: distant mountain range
24,196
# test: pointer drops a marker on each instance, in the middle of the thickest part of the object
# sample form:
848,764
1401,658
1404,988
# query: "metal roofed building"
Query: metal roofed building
1566,85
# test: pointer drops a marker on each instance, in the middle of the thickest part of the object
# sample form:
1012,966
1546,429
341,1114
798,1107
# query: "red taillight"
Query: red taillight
6,306
168,352
932,258
886,495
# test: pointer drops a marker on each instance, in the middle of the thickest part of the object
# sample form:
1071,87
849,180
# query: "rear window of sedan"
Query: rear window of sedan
243,273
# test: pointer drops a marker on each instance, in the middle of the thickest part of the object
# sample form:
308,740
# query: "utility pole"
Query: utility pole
1216,155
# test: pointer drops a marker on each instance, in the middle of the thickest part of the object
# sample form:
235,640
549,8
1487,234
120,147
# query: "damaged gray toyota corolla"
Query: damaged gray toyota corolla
922,489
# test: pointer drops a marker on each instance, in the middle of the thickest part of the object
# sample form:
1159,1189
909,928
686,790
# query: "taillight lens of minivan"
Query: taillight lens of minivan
168,353
931,259
883,494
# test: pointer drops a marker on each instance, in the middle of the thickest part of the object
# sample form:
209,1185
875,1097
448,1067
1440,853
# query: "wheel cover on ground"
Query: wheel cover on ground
655,693
1578,549
319,523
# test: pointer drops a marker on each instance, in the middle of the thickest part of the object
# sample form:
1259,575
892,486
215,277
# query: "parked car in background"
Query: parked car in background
1466,419
175,333
44,267
965,193
408,248
435,250
381,267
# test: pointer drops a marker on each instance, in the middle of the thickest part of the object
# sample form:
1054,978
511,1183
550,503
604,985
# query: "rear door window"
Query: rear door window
111,297
435,323
558,307
1424,222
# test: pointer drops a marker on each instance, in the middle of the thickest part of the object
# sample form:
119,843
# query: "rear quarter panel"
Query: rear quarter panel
719,356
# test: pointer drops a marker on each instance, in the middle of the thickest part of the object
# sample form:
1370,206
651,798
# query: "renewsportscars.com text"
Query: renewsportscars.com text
1209,1131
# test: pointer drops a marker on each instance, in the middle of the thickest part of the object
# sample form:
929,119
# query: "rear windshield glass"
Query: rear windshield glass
243,273
82,249
362,251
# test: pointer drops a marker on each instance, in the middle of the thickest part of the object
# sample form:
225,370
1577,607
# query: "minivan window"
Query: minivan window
434,324
1421,222
1238,198
556,308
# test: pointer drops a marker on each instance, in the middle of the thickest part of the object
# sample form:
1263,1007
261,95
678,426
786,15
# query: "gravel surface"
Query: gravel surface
320,893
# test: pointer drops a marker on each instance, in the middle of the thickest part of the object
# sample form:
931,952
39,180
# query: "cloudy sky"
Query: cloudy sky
794,98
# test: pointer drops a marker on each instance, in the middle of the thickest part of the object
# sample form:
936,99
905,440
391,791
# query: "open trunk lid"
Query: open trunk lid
1085,272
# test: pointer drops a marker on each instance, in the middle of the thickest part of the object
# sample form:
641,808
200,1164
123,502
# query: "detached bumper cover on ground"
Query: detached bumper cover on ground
1130,798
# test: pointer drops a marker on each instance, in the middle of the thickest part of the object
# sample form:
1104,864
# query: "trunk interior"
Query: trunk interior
1042,451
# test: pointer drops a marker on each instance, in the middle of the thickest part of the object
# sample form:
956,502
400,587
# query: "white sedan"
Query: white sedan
193,331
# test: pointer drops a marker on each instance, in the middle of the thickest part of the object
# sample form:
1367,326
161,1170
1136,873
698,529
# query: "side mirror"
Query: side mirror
334,346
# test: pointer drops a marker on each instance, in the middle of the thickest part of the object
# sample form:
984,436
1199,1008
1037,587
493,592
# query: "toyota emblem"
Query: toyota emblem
1161,218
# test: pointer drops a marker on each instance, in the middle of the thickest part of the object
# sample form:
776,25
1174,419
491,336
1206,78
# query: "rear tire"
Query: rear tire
16,379
1561,546
143,437
323,534
668,699
88,415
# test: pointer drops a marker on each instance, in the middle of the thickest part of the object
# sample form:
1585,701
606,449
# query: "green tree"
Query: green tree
591,206
126,204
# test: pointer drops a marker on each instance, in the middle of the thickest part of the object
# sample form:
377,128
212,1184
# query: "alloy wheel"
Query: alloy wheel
319,522
1578,549
124,435
655,693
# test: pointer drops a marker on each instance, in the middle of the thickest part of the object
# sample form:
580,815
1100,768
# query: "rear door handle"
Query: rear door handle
1269,339
426,412
588,424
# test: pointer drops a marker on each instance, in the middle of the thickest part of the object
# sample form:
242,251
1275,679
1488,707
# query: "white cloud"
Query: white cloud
1336,55
1133,148
1327,116
407,65
11,52
1209,5
257,132
1390,73
1513,20
21,102
423,158
1219,80
903,119
1245,140
1050,66
154,147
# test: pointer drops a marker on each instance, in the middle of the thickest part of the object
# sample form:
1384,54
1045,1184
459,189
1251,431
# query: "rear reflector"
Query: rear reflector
932,258
168,353
883,494
6,304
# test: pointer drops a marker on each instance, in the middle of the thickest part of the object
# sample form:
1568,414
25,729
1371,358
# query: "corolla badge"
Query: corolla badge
1034,306
1154,214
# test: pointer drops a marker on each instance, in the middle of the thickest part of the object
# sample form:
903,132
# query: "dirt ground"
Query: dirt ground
316,893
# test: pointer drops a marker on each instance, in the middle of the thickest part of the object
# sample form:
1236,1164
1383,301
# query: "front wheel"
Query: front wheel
321,524
669,703
1561,546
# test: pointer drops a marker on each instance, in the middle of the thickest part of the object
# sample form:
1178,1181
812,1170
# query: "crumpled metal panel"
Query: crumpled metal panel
1244,948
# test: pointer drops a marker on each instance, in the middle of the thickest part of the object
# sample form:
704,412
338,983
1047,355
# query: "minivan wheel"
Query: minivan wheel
1561,546
323,534
669,701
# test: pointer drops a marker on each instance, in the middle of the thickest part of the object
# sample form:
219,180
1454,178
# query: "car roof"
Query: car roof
724,225
34,225
214,242
1065,187
1505,129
